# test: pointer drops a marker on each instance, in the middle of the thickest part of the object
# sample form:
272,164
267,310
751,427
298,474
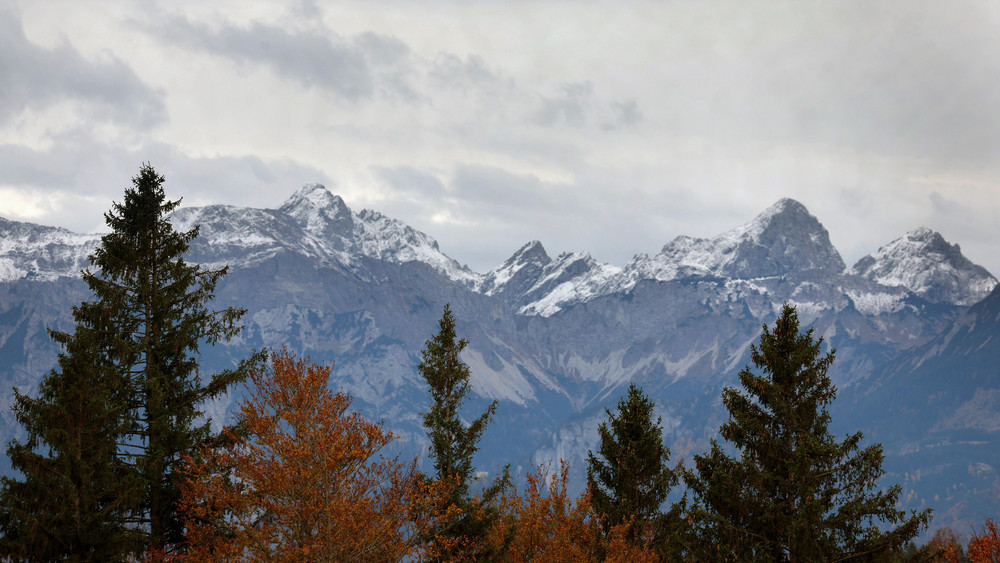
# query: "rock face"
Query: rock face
555,340
936,410
782,240
923,262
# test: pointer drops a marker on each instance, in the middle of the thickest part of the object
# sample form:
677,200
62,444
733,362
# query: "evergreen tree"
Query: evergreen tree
629,478
795,493
73,503
120,412
154,306
453,444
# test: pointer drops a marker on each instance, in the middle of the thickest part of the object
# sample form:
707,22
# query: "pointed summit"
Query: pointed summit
318,211
519,272
786,216
785,238
315,196
531,253
926,264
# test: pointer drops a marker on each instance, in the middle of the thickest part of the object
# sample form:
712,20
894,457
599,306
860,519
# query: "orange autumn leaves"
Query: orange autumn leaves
305,482
302,479
545,524
984,546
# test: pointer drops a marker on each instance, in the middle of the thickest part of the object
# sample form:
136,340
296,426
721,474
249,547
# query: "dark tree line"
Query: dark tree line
793,491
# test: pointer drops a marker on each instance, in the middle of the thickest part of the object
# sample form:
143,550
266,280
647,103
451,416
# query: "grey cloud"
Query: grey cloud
411,181
354,68
497,188
948,208
37,77
454,72
324,61
914,79
383,50
626,114
569,108
306,9
91,174
22,166
576,105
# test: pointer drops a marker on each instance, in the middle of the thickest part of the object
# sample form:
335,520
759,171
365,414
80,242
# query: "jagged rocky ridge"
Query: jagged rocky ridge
554,339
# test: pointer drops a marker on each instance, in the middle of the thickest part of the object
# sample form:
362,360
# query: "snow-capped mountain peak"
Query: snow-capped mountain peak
312,222
926,264
533,253
344,235
784,238
518,273
317,198
319,212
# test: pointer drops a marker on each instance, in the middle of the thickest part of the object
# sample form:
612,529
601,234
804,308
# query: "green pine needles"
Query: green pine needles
629,478
120,411
77,496
794,493
453,444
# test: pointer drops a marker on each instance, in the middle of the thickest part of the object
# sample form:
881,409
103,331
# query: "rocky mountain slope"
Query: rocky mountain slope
554,339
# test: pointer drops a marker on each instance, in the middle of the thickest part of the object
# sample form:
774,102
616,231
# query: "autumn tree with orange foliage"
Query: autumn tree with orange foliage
302,482
984,547
944,547
543,523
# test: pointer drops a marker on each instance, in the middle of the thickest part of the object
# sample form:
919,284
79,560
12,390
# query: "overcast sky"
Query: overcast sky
610,127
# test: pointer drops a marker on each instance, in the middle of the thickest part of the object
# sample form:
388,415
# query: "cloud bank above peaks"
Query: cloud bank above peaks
606,127
313,58
37,78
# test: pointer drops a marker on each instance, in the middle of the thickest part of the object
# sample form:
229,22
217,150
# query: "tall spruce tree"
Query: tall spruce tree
629,479
795,493
121,411
156,307
453,445
77,497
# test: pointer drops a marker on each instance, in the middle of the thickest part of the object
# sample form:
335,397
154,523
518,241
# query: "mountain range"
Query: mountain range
556,340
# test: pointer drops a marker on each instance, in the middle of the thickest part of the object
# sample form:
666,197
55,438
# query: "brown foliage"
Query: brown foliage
304,483
984,547
945,547
545,524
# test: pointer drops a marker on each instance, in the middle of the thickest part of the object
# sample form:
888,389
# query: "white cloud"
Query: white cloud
608,127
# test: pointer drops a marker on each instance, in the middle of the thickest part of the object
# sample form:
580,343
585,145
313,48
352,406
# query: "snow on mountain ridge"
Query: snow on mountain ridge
319,212
318,224
782,239
43,252
531,256
381,237
312,222
923,262
597,280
